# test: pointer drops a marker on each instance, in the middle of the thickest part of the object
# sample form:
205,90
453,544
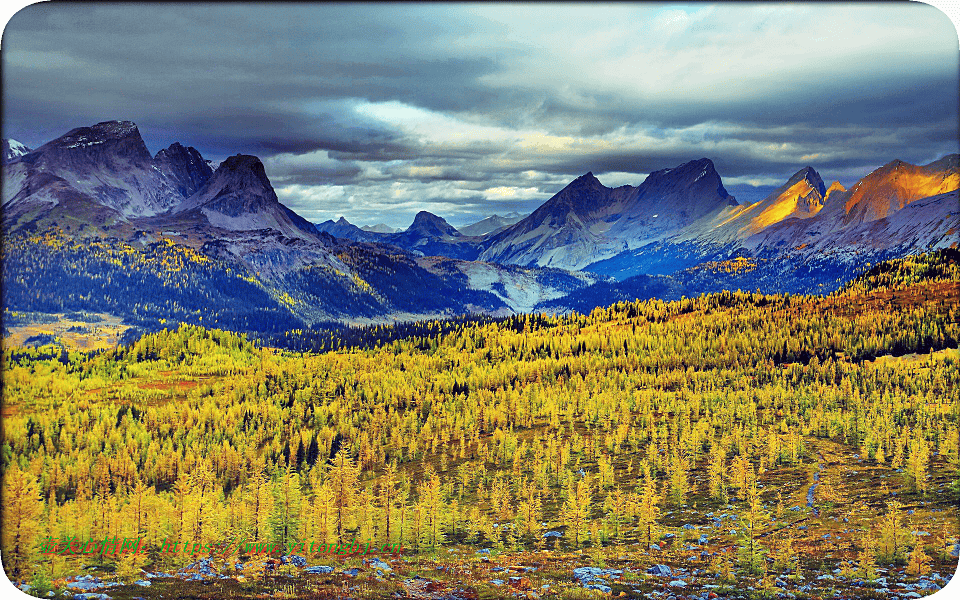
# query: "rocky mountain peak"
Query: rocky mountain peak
12,150
239,197
897,184
586,181
185,167
429,224
835,188
121,138
244,172
696,176
810,175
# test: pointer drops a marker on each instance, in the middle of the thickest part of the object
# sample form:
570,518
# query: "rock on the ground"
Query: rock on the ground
376,563
293,559
83,584
661,570
319,570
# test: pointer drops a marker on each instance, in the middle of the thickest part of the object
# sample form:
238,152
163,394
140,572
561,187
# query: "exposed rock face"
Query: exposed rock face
587,221
802,196
239,197
110,165
427,224
897,184
184,166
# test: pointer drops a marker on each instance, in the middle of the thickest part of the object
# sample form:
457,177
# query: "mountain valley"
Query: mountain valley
96,196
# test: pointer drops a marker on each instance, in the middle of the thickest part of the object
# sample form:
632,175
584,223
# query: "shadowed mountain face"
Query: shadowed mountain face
110,163
427,224
185,167
158,231
239,197
587,221
103,173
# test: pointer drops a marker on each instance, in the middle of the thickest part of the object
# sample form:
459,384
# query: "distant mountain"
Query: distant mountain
801,239
342,228
430,235
109,163
100,176
587,221
187,170
13,149
899,208
427,225
94,221
801,197
491,224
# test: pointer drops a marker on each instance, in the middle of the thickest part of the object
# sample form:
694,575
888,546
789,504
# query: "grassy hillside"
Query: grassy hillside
52,272
744,440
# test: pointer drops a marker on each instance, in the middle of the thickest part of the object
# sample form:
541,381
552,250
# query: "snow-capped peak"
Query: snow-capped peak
12,149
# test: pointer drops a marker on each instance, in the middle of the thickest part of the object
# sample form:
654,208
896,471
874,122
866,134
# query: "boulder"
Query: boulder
660,570
319,570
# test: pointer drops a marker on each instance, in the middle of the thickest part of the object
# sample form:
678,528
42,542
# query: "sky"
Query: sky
377,111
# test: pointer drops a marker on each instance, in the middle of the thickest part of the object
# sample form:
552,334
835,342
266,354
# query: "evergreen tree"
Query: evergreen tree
343,480
576,509
21,508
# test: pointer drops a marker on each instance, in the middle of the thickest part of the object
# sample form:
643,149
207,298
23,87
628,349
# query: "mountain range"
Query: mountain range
428,235
100,188
677,232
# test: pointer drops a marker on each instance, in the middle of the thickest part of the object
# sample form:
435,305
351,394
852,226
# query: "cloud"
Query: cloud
378,110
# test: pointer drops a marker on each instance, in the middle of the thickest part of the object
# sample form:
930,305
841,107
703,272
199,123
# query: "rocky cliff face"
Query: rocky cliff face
897,184
587,221
110,166
184,167
239,197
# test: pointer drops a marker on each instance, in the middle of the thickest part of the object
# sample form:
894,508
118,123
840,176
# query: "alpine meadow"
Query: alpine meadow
646,351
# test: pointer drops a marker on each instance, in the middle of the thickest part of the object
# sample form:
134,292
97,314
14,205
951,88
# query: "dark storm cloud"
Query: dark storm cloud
473,107
242,75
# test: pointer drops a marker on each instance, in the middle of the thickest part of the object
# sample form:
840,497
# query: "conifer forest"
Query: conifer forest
737,443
